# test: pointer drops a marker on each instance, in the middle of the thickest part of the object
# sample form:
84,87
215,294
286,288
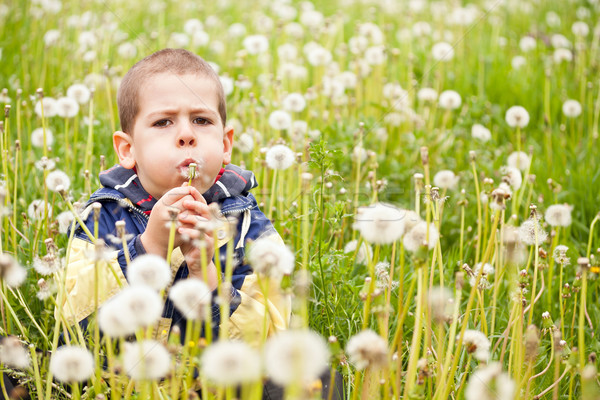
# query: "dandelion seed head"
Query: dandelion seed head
562,55
517,62
146,360
481,133
560,255
149,270
580,29
294,102
367,349
271,258
571,108
236,30
416,238
58,178
227,84
37,137
517,116
381,223
442,51
527,232
50,107
519,160
445,179
427,95
319,56
440,301
477,344
484,282
280,120
559,215
72,364
13,353
364,252
512,177
280,157
527,44
552,19
449,100
295,356
229,363
192,298
51,37
11,272
489,382
48,264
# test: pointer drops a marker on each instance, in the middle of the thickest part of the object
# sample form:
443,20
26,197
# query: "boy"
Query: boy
172,113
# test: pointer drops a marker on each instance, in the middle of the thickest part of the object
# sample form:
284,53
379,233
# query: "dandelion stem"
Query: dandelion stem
479,216
581,330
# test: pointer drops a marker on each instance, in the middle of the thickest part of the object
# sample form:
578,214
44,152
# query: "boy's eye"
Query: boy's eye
162,123
201,121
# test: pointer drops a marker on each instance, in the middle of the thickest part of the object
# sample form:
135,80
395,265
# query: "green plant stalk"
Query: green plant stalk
479,213
388,294
3,386
581,330
591,236
15,197
560,302
535,272
448,357
272,195
551,268
12,312
208,321
36,372
499,264
416,338
487,255
90,138
23,304
367,305
171,242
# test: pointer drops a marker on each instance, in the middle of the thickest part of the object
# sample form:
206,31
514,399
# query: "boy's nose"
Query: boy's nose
186,137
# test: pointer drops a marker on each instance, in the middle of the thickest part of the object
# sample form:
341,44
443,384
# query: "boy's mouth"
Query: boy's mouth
186,171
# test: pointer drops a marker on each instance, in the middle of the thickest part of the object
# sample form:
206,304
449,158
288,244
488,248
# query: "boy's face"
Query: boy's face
178,123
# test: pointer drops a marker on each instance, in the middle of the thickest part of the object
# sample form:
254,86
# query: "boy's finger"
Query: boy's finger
196,206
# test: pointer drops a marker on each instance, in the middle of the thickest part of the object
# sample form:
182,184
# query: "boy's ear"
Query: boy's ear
123,145
227,144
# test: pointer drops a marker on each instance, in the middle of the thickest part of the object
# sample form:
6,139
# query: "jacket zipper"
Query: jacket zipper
121,202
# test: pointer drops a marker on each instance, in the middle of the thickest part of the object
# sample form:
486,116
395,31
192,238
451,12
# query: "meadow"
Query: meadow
432,165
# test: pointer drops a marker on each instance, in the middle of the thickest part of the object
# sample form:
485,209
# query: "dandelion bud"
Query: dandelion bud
532,343
7,111
96,207
472,155
459,280
120,227
424,155
40,93
173,212
102,163
583,262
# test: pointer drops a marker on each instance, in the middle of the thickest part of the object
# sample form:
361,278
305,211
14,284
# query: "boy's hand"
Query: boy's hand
155,238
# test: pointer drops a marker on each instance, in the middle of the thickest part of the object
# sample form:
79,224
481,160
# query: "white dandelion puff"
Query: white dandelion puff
560,255
37,137
229,363
227,84
11,272
13,354
416,238
192,298
280,157
146,360
56,179
489,382
558,215
35,211
528,231
367,349
72,364
527,44
512,177
256,44
295,356
381,223
449,100
477,344
280,120
64,220
149,270
580,29
440,302
517,62
50,108
481,133
445,179
442,51
48,264
427,95
484,280
519,160
517,116
294,102
270,258
80,92
571,108
561,55
364,252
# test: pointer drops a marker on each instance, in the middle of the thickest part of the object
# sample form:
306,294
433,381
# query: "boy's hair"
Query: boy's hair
175,61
